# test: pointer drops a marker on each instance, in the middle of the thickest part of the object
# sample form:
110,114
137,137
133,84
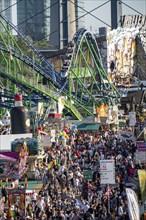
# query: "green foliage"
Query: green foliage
43,44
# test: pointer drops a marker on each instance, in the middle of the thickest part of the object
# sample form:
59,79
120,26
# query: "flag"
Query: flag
142,183
133,206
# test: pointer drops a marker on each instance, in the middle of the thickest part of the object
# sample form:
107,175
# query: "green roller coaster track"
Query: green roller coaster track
85,85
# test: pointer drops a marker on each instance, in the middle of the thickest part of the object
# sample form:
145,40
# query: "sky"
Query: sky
104,12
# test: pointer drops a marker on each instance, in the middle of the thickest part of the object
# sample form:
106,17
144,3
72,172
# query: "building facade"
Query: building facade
8,11
45,19
31,18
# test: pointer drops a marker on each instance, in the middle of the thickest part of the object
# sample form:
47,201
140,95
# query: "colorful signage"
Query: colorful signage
141,146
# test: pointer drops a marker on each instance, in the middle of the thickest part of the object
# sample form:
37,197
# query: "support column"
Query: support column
113,14
116,13
63,24
55,24
71,20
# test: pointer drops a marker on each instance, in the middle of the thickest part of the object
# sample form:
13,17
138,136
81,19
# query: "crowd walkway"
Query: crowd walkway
67,195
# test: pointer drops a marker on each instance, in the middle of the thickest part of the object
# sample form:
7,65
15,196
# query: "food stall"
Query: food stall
13,164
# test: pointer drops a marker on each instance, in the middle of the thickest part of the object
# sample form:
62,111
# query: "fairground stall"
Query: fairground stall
18,199
13,164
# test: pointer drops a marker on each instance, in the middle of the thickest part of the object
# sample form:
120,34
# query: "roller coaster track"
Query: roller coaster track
42,58
82,72
41,89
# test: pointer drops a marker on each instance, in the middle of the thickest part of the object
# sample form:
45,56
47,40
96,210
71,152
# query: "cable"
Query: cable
90,13
36,14
10,6
130,7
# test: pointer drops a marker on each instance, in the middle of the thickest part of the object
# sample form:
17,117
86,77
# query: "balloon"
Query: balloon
63,133
66,130
66,136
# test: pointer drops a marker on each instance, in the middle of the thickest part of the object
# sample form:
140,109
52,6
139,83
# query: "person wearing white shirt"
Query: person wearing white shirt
120,211
86,207
61,169
36,174
34,196
41,204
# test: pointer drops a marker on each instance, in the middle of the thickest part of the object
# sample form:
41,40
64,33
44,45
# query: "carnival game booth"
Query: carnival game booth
13,164
8,165
18,199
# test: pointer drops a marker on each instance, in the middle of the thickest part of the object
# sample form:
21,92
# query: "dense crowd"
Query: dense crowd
67,195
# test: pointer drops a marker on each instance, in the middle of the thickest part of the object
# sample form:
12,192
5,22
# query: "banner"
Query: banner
141,145
46,140
133,206
132,118
140,156
40,108
142,183
61,103
107,171
53,135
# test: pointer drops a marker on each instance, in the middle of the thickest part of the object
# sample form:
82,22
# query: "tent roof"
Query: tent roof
12,154
6,158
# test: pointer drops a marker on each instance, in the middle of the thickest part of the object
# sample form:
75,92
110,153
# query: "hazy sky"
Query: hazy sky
104,12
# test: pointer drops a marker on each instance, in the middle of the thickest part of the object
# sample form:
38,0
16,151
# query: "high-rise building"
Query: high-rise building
9,12
61,19
31,18
47,19
44,19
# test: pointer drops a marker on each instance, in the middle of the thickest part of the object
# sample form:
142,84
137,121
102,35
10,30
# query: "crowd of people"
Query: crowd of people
67,195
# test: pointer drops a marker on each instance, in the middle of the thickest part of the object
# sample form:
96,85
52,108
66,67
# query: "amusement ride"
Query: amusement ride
82,81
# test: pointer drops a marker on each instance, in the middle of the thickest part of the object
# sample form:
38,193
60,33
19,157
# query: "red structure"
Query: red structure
54,115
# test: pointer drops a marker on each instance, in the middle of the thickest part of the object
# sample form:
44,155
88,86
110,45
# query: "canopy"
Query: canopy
29,192
6,158
88,127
